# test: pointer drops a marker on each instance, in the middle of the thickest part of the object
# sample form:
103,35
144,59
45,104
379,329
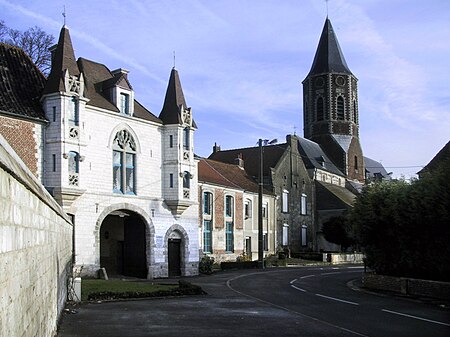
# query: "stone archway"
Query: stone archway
124,238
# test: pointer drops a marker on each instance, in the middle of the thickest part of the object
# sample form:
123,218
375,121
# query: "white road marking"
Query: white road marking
336,299
415,317
358,267
312,275
298,288
293,281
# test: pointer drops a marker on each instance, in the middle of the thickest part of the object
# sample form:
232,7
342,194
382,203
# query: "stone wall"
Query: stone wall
407,286
35,252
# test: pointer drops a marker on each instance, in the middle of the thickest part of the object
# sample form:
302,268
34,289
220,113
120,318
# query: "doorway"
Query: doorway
174,257
123,244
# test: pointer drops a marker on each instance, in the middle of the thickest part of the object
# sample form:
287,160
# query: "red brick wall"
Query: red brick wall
239,215
20,135
219,204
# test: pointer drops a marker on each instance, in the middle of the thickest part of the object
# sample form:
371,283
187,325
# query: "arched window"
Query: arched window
74,162
355,112
340,108
124,162
320,109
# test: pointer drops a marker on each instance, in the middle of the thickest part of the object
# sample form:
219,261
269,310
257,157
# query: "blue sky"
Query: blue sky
241,63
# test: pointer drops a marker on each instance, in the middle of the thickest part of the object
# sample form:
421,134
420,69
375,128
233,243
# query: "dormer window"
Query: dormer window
124,103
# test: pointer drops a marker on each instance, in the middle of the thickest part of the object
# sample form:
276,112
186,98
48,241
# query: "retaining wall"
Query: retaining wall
35,252
337,258
407,286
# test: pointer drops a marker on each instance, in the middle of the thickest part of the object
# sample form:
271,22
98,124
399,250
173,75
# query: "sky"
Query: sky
241,63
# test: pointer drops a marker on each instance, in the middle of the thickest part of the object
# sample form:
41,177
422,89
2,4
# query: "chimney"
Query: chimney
239,161
120,71
216,148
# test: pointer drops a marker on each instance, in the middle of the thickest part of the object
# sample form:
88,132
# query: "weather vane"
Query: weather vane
326,2
64,14
174,59
295,130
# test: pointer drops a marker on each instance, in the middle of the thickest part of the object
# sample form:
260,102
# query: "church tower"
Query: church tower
330,106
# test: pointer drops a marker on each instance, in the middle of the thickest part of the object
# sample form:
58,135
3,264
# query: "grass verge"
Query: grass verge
100,290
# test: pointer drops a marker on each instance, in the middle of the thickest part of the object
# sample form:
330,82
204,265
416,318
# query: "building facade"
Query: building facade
285,175
229,213
127,178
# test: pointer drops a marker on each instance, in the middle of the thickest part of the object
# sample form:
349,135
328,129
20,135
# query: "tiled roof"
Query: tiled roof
21,84
250,156
329,57
228,175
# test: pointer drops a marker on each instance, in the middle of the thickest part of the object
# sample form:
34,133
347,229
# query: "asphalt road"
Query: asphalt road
309,301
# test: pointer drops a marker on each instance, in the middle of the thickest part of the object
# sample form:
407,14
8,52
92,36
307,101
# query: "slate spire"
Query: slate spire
63,58
171,113
329,57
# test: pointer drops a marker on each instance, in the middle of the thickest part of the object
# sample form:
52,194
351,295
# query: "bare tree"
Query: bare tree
34,41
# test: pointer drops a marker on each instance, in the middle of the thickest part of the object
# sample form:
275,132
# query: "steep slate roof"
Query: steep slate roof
313,156
97,77
229,175
375,169
331,196
63,58
329,57
441,156
170,113
21,84
250,156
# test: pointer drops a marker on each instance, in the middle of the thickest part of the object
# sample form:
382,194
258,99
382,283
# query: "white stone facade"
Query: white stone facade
94,145
124,175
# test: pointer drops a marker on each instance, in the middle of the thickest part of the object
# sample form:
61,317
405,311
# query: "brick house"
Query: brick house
228,212
22,119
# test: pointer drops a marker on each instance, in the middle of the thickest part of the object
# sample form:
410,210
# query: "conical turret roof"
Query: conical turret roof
63,58
329,57
170,113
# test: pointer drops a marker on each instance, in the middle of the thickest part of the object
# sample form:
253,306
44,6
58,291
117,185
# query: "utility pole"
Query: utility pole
260,218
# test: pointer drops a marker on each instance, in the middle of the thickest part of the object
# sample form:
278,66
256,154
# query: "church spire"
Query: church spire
63,58
329,57
171,112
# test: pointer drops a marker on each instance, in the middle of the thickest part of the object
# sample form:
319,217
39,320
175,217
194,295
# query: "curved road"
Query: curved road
325,295
305,301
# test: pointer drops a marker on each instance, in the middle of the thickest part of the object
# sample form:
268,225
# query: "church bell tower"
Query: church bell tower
330,106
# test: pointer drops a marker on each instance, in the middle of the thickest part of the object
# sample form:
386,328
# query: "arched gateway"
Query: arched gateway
124,241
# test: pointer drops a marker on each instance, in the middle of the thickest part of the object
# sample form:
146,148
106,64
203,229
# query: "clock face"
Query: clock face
319,82
340,81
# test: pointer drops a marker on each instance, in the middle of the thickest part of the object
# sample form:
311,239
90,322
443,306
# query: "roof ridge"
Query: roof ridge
215,170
